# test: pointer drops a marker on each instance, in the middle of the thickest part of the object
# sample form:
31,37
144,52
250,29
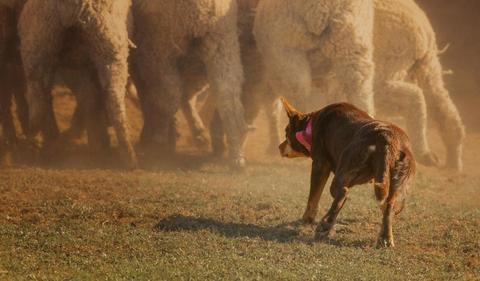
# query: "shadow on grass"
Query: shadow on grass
187,223
283,233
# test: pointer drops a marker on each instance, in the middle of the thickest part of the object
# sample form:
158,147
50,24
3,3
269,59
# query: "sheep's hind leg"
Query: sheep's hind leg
110,57
442,108
194,121
41,33
409,98
352,58
225,75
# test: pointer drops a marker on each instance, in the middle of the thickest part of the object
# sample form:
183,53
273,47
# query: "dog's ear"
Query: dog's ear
291,111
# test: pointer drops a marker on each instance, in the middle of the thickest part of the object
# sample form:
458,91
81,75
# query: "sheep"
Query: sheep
102,27
409,79
409,68
167,30
194,77
291,35
74,70
403,41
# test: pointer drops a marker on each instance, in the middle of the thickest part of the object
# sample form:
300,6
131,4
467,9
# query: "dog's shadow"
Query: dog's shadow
283,233
279,233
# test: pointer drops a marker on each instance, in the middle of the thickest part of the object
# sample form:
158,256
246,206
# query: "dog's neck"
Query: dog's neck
305,137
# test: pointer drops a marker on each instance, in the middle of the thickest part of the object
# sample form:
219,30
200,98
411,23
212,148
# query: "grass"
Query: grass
209,224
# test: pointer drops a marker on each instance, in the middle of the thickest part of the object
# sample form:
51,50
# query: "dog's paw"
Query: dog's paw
385,243
324,231
308,217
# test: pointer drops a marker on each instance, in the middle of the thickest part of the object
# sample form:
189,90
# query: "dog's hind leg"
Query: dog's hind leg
399,181
339,191
386,234
319,177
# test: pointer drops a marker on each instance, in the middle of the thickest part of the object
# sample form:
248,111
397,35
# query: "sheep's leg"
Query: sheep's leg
41,33
352,58
252,96
290,73
411,102
18,86
272,111
225,75
146,108
442,108
6,118
90,111
217,135
194,121
108,41
71,80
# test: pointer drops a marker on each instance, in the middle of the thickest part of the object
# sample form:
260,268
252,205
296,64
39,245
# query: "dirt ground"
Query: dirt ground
191,218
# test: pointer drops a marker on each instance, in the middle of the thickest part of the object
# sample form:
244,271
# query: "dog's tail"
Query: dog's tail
393,171
401,177
385,155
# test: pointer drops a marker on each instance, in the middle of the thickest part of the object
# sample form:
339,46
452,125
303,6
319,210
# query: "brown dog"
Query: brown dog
357,149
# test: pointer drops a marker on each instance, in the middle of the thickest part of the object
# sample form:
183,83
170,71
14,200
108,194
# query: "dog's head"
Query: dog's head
291,147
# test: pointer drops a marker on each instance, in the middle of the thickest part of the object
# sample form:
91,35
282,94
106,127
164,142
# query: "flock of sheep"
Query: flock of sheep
380,55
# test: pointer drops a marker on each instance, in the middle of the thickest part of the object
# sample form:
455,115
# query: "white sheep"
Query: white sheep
409,79
166,31
293,35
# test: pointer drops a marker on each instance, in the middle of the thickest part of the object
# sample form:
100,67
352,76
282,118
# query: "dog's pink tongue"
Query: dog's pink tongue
305,137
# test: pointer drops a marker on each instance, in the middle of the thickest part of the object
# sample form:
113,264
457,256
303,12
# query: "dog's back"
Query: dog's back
362,149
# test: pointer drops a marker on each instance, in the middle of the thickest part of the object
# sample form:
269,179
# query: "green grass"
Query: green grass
209,224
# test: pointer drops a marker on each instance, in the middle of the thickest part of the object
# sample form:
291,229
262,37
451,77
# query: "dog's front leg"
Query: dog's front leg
318,179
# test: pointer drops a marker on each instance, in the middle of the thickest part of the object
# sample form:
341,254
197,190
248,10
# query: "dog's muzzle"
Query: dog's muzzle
287,151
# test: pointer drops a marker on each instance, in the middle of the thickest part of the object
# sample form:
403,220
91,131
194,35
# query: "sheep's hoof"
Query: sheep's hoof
454,163
131,164
71,134
218,150
239,164
6,159
201,140
428,158
129,159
